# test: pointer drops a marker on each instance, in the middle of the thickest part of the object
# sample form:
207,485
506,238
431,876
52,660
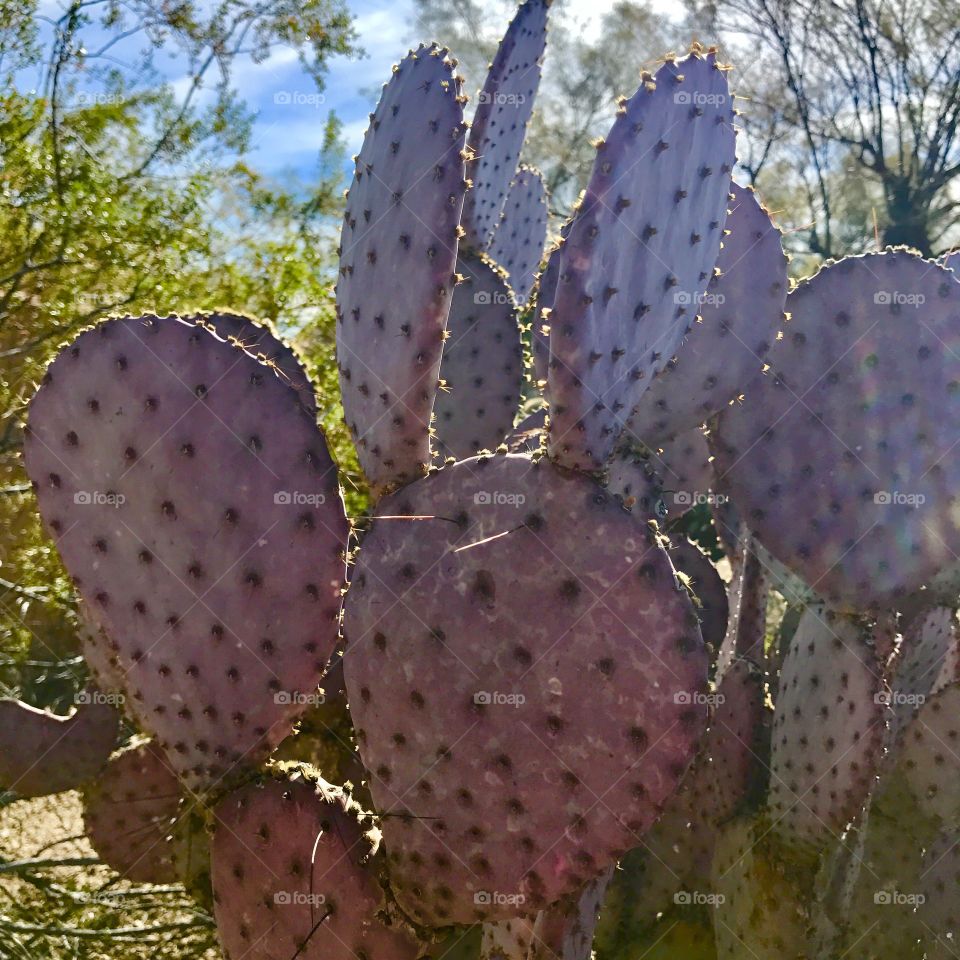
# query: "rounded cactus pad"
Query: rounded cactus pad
927,753
740,315
43,753
854,428
684,464
257,338
640,252
828,727
482,365
295,874
129,814
504,107
398,254
194,502
486,756
517,244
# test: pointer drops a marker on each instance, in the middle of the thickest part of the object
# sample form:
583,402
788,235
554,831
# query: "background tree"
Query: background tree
863,91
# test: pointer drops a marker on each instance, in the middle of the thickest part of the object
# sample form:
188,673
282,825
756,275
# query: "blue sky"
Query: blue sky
291,114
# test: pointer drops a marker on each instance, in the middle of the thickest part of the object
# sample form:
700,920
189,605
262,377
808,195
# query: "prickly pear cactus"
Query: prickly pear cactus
398,254
482,367
852,429
439,680
640,250
828,729
504,106
130,814
740,314
517,243
295,874
221,598
43,753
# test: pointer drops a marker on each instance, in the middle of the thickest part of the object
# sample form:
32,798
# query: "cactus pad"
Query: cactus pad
398,251
740,315
129,814
854,429
517,245
195,504
506,939
472,732
503,109
42,753
640,252
482,365
295,875
683,464
564,931
828,727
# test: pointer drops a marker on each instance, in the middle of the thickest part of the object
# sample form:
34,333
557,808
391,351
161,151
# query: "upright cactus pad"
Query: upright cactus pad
740,316
129,814
482,365
828,728
485,759
194,502
640,253
854,429
398,254
42,753
503,110
517,244
295,874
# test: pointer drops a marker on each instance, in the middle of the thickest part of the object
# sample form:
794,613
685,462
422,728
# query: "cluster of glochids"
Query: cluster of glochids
537,721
